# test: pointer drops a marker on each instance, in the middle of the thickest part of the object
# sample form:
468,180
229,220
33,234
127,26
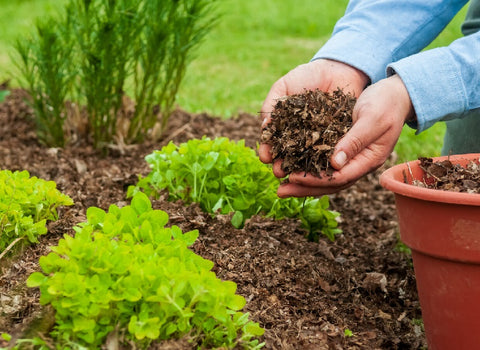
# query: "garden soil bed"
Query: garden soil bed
304,294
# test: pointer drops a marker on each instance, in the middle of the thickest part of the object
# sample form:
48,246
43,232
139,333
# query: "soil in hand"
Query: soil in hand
305,128
444,175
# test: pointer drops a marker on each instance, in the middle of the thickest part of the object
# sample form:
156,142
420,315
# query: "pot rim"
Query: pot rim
392,179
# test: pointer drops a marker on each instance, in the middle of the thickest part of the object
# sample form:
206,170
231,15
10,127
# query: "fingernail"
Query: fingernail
341,159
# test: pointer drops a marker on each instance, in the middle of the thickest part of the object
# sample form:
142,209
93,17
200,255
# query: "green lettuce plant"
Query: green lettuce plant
126,273
227,177
26,203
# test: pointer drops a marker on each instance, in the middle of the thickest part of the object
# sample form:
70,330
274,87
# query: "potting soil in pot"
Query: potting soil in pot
445,175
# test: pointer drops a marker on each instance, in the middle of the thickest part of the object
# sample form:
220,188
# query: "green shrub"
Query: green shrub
97,51
46,66
227,177
124,272
26,203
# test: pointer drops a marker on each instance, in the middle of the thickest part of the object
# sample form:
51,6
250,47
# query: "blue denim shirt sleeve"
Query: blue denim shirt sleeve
374,35
443,83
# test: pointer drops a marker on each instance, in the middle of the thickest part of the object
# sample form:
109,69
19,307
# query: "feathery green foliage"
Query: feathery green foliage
99,50
46,66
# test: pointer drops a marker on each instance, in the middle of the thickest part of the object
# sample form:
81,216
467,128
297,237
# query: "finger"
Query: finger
277,91
309,180
361,135
340,178
296,190
277,169
370,159
365,162
264,153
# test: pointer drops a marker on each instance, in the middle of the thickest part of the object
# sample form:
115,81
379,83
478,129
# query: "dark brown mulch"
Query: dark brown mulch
304,294
447,176
305,129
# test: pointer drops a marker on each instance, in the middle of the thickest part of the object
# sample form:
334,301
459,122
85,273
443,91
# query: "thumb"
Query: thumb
360,136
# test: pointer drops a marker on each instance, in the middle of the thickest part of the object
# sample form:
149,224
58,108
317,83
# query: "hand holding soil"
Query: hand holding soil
377,121
321,74
305,128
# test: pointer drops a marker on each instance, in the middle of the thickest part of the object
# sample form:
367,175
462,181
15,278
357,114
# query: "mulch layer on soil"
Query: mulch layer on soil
304,294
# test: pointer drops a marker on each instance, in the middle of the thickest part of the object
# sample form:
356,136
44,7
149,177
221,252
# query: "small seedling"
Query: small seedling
417,322
403,248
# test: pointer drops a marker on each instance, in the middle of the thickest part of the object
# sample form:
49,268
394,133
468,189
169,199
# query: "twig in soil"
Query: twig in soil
177,132
414,181
10,246
410,170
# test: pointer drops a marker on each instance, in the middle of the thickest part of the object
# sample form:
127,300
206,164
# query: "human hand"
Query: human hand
378,118
325,75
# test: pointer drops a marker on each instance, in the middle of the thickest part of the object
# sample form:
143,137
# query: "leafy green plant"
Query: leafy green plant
227,177
98,51
26,203
124,272
316,217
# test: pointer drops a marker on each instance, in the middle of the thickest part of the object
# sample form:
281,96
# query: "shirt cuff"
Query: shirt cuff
434,82
357,50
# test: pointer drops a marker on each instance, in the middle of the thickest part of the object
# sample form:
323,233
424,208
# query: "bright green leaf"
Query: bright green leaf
141,203
36,279
95,215
237,219
6,336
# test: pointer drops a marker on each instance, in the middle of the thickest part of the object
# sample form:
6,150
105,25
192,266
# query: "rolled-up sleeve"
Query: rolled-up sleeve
443,83
374,35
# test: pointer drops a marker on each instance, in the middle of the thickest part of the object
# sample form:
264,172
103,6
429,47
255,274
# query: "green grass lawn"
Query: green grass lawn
17,18
252,45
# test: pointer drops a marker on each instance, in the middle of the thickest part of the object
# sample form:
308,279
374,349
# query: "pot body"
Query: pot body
443,230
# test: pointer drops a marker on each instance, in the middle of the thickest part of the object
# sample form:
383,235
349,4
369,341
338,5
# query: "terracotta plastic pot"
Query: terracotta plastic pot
442,228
